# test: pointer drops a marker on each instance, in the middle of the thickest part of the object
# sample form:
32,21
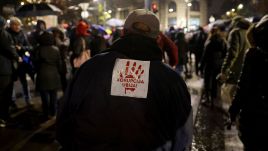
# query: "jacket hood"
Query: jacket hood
138,47
240,22
46,39
244,24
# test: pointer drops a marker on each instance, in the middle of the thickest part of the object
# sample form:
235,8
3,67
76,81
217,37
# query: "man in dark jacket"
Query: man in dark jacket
24,50
8,55
127,99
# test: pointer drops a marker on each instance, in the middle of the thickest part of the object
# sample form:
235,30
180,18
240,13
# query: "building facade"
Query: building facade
177,13
182,13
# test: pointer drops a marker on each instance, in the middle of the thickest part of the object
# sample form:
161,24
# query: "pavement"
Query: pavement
30,132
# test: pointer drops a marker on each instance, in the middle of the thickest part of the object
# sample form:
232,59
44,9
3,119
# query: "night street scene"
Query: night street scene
133,75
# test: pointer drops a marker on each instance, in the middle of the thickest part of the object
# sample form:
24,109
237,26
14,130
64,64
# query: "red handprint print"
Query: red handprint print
131,77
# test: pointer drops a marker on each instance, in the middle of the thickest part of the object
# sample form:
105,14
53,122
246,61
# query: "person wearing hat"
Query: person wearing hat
80,45
8,55
24,49
127,99
251,99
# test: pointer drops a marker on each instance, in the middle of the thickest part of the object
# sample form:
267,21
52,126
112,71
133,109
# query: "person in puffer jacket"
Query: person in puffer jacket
127,99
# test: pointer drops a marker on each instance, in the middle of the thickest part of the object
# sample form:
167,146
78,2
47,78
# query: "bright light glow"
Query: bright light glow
186,1
211,19
22,3
110,11
34,22
8,21
189,4
84,14
233,10
95,0
228,13
171,10
240,6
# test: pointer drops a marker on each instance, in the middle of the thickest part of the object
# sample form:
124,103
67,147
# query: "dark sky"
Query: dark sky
220,7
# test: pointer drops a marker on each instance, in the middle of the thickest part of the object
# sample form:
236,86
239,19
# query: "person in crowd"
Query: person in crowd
127,98
172,33
251,100
39,29
98,42
24,49
48,64
211,62
62,42
198,43
116,34
182,46
169,50
236,49
8,56
80,45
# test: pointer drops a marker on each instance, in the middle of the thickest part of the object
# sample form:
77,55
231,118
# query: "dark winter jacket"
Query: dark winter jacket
8,53
251,99
21,40
237,46
48,64
182,45
90,118
214,53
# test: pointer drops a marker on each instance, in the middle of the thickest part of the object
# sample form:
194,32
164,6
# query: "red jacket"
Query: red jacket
167,45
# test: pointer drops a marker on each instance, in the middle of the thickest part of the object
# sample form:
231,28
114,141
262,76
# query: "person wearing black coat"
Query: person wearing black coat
8,56
127,99
211,62
24,49
182,45
251,99
48,67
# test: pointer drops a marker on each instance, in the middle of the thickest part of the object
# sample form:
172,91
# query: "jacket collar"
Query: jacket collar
138,47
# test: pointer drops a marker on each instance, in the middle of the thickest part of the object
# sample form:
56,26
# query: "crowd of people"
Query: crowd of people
120,95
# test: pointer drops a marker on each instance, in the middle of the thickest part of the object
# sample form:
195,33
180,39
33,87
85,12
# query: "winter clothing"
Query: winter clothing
182,46
47,61
48,66
237,46
7,53
90,118
198,40
8,56
213,56
251,100
26,66
168,46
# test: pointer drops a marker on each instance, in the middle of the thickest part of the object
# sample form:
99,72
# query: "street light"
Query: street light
212,19
240,6
228,13
233,10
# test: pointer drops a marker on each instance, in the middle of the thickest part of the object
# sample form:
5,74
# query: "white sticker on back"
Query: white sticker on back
130,78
